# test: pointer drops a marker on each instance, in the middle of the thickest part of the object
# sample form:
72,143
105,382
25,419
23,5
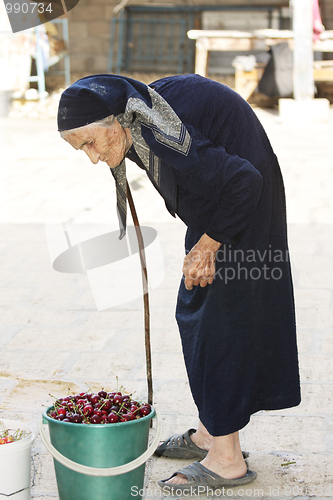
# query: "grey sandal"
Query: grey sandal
200,479
182,446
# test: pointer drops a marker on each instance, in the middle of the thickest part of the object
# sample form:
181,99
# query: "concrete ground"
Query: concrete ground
53,337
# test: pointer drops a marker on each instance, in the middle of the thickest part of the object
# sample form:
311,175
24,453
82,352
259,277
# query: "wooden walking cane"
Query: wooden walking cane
145,292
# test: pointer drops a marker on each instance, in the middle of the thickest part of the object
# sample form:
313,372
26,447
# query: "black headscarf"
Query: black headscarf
156,130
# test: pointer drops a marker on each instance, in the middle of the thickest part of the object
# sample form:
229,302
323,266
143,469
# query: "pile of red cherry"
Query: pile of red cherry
101,408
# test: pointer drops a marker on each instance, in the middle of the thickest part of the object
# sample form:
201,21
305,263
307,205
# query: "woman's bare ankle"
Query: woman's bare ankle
202,438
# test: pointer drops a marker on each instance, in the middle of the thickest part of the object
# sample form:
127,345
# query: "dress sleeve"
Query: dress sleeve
232,183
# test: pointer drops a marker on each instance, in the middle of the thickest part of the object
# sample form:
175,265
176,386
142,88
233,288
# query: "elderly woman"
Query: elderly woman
205,151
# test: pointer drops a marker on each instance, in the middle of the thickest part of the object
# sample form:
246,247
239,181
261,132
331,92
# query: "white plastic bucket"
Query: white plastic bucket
15,464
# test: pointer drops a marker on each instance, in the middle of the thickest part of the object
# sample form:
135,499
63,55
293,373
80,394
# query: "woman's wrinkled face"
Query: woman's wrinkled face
108,144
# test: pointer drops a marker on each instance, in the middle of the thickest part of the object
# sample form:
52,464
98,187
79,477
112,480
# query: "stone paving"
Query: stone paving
53,337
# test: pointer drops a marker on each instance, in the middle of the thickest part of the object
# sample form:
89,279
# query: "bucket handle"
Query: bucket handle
104,472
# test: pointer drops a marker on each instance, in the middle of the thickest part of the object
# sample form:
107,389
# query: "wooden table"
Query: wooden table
247,41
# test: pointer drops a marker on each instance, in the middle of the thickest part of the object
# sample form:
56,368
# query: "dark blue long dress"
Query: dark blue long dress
238,334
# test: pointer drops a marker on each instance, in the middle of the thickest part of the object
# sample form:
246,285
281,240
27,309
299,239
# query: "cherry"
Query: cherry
118,399
114,408
113,418
88,410
94,399
125,418
99,413
62,411
103,394
66,420
107,405
144,410
77,419
61,417
95,419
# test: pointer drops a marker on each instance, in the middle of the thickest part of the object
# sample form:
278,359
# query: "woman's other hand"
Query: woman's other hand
199,263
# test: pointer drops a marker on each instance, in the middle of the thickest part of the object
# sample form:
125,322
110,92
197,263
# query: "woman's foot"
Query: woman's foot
225,458
202,438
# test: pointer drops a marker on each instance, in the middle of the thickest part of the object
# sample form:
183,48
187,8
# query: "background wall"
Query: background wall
90,21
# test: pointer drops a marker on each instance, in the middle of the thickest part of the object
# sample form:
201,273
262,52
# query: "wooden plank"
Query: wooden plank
303,50
195,34
247,81
229,44
273,33
323,74
270,36
323,45
321,64
201,57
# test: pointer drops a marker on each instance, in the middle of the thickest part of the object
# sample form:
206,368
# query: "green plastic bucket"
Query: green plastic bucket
103,453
